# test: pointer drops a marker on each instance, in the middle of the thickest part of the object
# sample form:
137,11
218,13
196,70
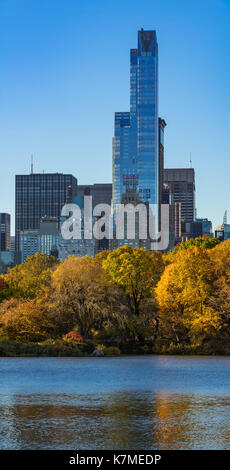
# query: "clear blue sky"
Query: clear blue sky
64,71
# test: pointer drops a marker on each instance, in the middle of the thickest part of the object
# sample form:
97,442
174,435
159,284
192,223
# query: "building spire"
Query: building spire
32,165
225,218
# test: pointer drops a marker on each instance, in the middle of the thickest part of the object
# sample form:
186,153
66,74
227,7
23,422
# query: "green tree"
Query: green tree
136,271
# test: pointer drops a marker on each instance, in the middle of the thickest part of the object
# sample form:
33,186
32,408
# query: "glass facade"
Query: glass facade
4,232
135,142
39,195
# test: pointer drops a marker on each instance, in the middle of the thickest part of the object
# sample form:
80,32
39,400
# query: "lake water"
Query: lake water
137,402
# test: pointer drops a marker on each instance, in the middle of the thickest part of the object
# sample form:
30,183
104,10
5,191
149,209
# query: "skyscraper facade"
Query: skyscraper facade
4,232
135,142
39,195
181,183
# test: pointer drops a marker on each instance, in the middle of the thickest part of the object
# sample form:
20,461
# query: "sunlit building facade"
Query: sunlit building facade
135,142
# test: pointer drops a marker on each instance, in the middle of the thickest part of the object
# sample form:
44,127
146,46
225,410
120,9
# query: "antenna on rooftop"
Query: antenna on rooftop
190,161
32,165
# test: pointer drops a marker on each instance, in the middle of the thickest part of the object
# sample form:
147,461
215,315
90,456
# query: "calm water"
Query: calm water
147,402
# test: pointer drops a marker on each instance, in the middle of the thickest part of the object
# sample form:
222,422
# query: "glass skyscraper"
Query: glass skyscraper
135,142
39,195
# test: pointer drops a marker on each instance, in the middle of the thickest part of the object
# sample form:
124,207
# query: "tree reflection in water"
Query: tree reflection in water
115,420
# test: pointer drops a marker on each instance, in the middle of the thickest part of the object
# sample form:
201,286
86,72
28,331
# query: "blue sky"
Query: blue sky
64,71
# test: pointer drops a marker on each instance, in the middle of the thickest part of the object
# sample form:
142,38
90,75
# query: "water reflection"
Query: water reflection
115,420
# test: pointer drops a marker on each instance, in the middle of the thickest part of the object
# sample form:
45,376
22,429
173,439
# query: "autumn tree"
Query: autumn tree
136,271
202,242
25,320
81,288
183,293
32,278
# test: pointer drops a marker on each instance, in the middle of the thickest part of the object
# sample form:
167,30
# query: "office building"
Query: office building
6,261
28,244
161,127
131,197
84,245
101,192
48,235
181,184
44,240
190,230
206,227
12,244
39,195
4,231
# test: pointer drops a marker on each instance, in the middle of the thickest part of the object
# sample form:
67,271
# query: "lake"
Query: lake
135,402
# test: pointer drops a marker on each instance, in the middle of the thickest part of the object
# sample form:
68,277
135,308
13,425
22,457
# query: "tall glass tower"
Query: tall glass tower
135,142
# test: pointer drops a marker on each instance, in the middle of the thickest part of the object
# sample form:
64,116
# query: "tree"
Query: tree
136,271
183,293
25,320
4,290
202,242
81,287
32,278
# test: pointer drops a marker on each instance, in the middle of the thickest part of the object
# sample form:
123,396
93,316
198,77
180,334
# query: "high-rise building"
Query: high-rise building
39,195
181,184
12,244
6,256
84,245
101,192
206,227
43,240
131,197
135,142
4,232
28,240
161,126
222,232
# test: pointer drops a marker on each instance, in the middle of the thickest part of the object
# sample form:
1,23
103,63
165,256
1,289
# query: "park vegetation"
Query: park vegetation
127,301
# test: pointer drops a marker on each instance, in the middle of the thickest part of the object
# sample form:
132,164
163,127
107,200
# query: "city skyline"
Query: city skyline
59,96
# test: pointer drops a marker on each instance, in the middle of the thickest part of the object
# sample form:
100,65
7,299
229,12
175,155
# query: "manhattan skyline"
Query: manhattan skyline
65,71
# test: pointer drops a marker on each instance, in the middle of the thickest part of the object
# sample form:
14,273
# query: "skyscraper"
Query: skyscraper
181,183
39,195
4,232
135,142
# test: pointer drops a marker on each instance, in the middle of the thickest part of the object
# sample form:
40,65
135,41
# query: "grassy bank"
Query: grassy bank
59,348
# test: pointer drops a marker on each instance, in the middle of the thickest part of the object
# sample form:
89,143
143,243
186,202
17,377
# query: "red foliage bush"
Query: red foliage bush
2,285
73,337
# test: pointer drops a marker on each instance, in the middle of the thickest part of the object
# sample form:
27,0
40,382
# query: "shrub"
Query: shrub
112,351
73,337
101,347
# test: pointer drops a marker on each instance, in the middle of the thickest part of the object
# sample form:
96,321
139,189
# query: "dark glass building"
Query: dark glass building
4,232
181,185
101,192
161,127
39,195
